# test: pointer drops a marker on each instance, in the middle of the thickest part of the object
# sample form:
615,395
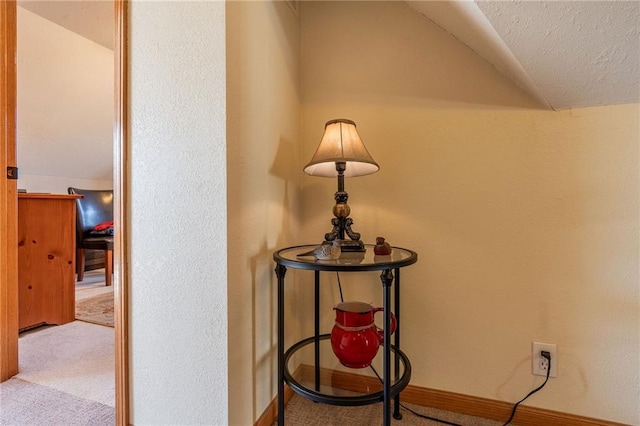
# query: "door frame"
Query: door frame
8,203
120,208
8,195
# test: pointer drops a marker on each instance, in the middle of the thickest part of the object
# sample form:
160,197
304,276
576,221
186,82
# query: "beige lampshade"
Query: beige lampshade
341,143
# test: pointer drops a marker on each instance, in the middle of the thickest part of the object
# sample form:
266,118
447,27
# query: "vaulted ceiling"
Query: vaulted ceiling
92,19
566,54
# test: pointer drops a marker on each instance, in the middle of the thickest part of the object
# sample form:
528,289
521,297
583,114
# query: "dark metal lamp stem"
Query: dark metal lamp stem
342,222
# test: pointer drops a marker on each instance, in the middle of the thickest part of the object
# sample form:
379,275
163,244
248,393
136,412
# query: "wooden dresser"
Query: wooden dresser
46,259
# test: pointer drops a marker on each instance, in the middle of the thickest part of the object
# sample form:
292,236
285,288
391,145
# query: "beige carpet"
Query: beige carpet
24,403
303,412
76,358
66,372
66,378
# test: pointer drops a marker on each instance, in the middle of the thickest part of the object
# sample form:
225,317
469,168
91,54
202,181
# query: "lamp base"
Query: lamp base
351,246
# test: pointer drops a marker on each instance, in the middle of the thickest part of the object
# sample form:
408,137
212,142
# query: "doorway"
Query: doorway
8,202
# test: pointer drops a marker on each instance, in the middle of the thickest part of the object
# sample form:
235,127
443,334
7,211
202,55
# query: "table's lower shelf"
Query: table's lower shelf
322,382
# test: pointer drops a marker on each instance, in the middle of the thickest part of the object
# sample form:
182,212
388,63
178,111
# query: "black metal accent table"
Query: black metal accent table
348,262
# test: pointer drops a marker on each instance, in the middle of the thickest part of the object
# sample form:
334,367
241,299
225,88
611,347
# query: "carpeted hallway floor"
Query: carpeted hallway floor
303,412
66,372
25,403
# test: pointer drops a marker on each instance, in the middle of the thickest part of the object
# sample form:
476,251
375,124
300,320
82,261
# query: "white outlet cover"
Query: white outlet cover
536,359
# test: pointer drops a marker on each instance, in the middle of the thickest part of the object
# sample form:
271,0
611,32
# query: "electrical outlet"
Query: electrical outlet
540,364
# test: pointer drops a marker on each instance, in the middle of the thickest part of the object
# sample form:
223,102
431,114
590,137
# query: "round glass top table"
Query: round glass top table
311,384
348,261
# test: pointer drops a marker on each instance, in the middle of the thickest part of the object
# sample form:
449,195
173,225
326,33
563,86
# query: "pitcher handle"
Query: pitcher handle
380,331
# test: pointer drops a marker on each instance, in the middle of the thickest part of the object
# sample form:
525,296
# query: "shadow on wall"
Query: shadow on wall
264,283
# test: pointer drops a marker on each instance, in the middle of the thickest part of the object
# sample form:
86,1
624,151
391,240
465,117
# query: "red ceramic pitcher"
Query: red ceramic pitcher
355,338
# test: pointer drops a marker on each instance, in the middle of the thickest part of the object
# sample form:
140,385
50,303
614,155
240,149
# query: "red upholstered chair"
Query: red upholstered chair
94,208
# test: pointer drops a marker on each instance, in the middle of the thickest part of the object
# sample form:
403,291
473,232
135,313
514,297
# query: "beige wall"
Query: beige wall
525,220
177,214
264,179
65,108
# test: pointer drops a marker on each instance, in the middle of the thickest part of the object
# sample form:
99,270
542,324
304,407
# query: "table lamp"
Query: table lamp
341,153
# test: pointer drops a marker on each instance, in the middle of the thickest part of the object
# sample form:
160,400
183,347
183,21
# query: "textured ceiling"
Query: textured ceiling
567,54
577,53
